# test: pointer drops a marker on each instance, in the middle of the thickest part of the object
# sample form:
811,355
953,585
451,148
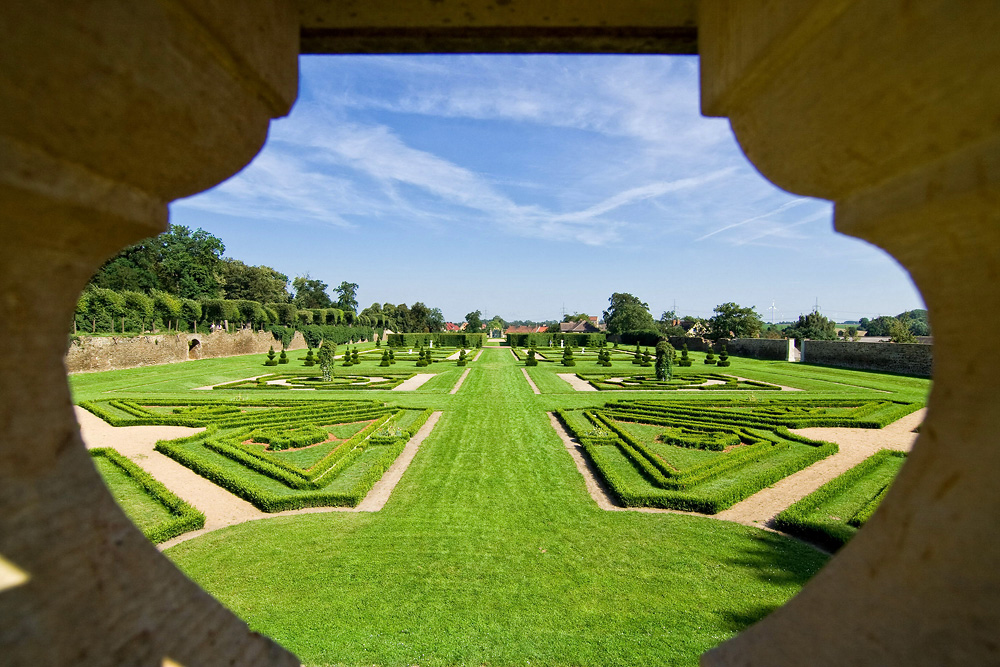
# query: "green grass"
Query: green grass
154,509
490,550
831,515
145,511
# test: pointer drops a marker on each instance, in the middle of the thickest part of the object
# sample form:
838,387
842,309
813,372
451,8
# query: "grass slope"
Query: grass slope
491,552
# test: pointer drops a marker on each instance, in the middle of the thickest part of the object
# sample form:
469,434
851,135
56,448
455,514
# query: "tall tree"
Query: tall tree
347,296
253,283
732,320
189,263
474,321
184,263
813,326
310,293
627,313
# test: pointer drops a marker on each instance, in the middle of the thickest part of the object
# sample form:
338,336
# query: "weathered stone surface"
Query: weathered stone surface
106,353
889,109
908,359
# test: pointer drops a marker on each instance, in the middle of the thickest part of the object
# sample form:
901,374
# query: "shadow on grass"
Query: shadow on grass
780,560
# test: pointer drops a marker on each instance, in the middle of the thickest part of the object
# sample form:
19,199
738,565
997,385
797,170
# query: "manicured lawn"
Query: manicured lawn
490,550
144,510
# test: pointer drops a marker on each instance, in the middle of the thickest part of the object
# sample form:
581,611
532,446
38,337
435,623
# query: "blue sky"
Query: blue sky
526,185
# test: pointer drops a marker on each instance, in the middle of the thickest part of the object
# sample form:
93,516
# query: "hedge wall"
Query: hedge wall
408,340
543,339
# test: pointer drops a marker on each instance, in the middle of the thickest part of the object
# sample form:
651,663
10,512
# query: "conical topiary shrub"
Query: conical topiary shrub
283,358
531,360
637,358
568,359
723,357
354,356
461,358
271,361
710,357
385,359
310,360
685,360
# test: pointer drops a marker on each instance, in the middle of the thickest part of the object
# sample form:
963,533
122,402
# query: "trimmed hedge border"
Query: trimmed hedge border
795,519
673,489
186,517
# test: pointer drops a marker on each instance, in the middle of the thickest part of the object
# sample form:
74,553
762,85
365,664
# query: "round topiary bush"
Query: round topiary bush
710,357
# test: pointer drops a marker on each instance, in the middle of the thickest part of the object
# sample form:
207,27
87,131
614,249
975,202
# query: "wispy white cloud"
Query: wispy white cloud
763,216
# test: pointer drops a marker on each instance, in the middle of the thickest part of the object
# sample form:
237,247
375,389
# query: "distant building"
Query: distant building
585,326
525,330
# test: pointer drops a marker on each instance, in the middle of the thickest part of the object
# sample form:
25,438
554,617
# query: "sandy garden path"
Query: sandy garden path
461,380
531,383
576,383
220,507
479,355
856,444
414,382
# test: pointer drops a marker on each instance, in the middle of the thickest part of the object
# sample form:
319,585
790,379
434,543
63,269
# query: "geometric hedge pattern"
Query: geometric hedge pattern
279,454
706,456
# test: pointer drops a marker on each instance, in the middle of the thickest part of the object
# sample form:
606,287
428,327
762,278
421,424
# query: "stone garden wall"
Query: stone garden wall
908,359
106,353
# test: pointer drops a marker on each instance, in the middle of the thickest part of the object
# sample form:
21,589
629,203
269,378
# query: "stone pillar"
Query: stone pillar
889,108
109,109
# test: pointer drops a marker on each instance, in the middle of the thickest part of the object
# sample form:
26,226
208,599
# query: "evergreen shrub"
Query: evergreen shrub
723,357
271,361
283,358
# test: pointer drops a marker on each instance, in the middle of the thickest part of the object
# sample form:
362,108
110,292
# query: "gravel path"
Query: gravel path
458,385
220,507
479,355
414,382
577,383
531,382
856,444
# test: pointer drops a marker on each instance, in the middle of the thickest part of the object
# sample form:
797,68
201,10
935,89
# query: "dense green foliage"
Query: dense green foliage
627,313
813,326
734,321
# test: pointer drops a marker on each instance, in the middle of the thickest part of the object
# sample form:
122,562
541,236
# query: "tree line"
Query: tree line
180,281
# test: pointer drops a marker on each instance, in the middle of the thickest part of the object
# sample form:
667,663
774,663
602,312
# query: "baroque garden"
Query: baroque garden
561,503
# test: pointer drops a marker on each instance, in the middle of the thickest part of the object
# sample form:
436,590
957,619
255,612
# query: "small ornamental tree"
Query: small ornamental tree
421,360
378,341
310,361
347,359
385,359
531,361
354,356
283,358
723,357
325,358
685,361
271,361
392,356
664,361
710,357
637,358
568,359
646,359
461,358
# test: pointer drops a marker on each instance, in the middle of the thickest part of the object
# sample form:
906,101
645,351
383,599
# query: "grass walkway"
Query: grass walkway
491,551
